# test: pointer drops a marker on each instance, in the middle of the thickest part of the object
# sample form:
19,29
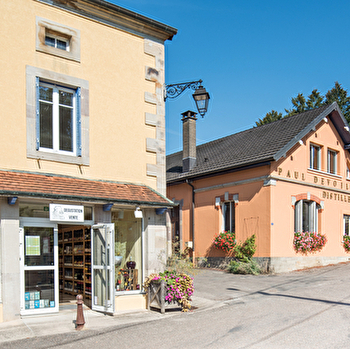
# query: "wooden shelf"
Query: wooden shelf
75,256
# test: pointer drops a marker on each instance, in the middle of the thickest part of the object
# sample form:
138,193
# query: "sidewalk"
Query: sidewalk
64,321
213,289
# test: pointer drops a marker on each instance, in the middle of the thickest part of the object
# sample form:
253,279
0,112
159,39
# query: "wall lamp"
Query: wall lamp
12,200
200,96
107,207
138,213
160,211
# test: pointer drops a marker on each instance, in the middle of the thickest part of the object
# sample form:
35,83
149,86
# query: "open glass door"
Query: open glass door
103,267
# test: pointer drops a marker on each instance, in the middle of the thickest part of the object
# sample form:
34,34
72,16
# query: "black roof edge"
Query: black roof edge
219,172
332,107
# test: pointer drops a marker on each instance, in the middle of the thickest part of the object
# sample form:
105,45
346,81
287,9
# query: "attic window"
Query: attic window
347,169
332,161
315,157
57,41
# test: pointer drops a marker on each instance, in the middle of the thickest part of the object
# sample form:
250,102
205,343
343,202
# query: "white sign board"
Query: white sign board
66,213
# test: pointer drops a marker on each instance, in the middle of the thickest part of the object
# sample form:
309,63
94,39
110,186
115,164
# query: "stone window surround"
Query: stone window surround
72,35
52,77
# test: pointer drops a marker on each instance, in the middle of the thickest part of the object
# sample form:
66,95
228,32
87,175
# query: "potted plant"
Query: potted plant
120,250
169,288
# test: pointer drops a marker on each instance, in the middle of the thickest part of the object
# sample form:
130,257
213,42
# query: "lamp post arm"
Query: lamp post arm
175,90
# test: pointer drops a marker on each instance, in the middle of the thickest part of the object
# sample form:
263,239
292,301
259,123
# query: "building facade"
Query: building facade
82,155
274,180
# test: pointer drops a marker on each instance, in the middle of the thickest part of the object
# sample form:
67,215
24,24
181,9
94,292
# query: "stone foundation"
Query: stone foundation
276,264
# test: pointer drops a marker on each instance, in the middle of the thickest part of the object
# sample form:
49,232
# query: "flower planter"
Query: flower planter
156,293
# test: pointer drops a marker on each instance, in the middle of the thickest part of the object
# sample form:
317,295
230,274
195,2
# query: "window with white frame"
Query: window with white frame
57,118
57,41
306,216
346,221
315,157
229,216
331,161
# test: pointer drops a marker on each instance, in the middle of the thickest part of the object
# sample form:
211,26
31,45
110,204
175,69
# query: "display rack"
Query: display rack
74,245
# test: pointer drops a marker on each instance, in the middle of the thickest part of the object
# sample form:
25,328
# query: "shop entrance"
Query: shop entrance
74,255
86,265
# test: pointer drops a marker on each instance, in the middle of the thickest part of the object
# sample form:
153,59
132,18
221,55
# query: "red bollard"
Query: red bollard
79,323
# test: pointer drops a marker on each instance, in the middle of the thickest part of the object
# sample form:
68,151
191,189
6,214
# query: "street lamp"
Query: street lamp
200,96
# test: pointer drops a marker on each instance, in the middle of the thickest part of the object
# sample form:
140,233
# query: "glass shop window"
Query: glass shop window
128,250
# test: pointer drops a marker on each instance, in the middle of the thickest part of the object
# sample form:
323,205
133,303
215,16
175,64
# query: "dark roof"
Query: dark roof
27,184
256,145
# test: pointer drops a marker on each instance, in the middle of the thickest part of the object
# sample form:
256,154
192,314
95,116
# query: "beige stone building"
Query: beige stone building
82,152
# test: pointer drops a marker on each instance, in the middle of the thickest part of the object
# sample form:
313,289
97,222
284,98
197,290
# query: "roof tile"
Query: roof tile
258,144
64,187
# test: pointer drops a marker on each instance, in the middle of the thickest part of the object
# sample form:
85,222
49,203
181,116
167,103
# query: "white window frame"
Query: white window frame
223,209
33,76
46,27
55,119
315,151
331,153
30,222
312,218
57,38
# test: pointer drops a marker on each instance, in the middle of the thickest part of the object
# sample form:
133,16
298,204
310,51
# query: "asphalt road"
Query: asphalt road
307,309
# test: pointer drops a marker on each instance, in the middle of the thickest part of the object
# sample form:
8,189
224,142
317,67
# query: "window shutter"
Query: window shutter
78,98
37,116
312,208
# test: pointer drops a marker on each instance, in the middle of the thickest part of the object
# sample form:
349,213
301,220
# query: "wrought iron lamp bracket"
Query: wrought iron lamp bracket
175,90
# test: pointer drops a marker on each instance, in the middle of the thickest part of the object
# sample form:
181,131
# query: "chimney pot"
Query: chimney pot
189,140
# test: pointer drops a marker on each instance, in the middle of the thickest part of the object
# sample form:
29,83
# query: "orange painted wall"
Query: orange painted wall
297,178
252,212
267,210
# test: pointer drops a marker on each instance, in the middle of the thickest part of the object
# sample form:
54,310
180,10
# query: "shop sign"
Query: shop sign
315,179
66,213
335,196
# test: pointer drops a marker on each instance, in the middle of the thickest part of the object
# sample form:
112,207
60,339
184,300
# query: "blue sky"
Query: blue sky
252,55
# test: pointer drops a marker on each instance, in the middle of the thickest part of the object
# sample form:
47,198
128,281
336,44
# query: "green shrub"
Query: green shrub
180,261
250,267
245,251
244,264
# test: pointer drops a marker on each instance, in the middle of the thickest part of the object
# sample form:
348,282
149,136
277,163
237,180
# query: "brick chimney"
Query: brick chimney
189,140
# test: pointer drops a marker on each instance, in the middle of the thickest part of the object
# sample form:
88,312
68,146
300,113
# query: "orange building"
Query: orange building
272,181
